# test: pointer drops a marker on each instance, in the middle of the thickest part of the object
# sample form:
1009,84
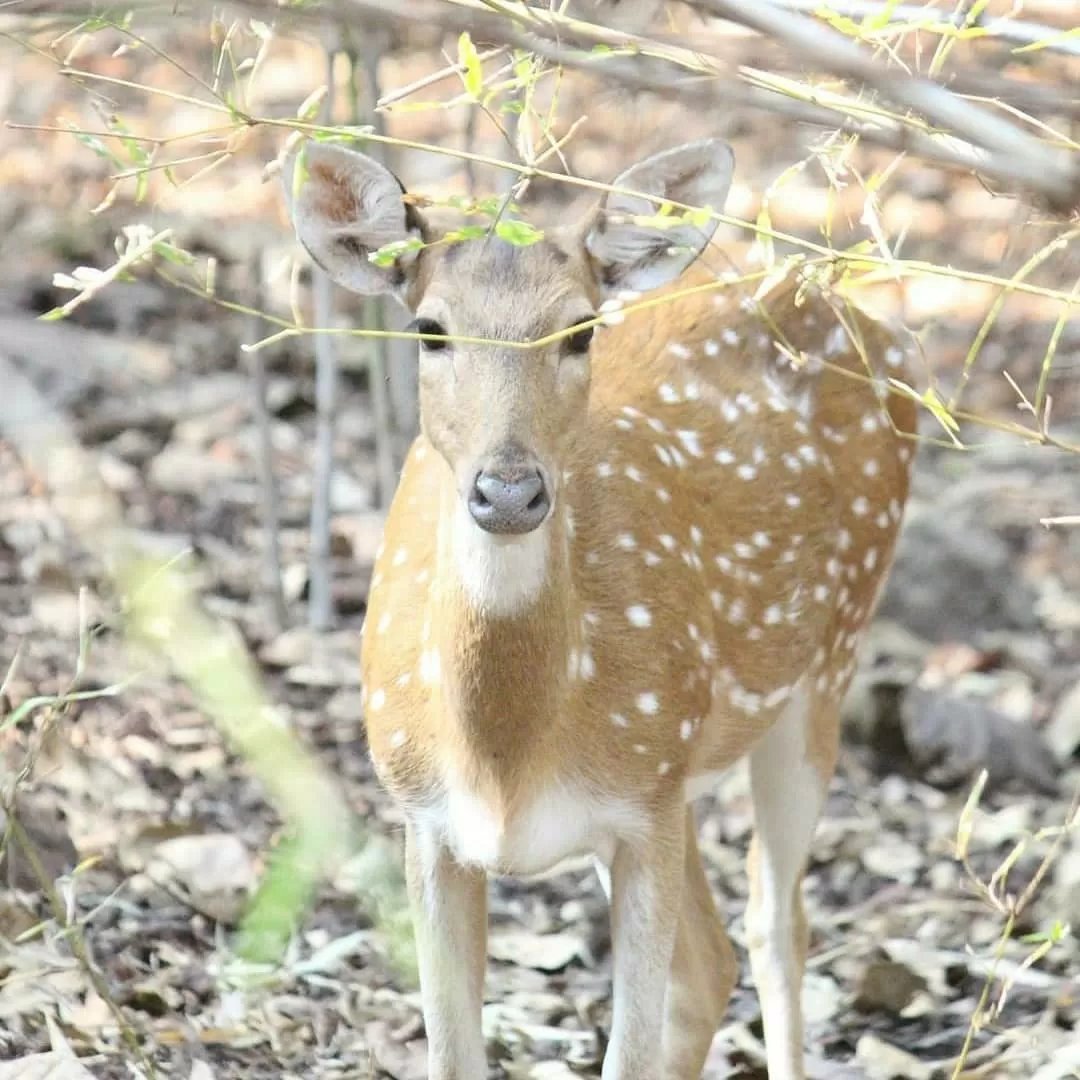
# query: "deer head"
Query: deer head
501,416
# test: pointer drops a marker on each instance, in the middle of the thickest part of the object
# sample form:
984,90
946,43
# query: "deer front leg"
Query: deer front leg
646,882
703,971
449,905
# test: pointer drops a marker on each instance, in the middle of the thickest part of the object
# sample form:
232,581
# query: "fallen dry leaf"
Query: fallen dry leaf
402,1060
542,952
884,1061
822,998
47,832
52,1065
59,1063
215,870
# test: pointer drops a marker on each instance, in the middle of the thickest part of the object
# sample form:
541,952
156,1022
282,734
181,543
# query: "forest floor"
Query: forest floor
983,597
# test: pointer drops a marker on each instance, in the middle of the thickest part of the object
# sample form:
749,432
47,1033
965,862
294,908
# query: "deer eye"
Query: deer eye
579,341
429,326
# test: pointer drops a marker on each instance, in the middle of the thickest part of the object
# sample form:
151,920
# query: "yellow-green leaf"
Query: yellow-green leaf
473,76
519,233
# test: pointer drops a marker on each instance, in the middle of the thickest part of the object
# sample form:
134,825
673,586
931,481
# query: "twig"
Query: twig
836,53
268,493
980,140
1004,29
388,453
129,259
75,935
320,575
1062,182
1062,240
391,373
403,92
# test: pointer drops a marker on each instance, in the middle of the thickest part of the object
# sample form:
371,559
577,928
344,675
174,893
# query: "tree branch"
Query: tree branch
834,52
959,133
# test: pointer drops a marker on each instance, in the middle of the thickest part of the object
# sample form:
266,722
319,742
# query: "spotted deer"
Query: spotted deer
616,565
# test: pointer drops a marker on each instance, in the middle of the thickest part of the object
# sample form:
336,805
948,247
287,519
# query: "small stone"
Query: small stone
887,986
1062,732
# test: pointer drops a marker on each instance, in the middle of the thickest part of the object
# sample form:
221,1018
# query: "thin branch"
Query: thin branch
320,575
403,92
268,492
391,382
973,138
919,17
836,53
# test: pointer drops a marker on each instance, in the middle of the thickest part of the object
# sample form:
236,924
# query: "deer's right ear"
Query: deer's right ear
344,206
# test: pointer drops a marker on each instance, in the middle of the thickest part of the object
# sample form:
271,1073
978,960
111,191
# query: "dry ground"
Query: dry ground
154,378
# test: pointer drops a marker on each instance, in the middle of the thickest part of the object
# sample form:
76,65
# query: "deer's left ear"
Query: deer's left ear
345,205
636,256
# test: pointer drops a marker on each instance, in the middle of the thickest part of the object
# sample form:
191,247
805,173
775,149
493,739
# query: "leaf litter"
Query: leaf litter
154,835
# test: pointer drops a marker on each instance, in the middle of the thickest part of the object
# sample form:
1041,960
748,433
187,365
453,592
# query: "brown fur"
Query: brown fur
557,726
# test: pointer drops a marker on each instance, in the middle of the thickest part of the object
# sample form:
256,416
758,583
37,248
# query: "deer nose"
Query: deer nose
510,502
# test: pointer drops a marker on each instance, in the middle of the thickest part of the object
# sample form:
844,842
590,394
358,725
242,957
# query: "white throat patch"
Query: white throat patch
500,575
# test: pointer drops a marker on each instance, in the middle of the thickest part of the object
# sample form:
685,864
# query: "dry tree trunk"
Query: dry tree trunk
269,506
320,575
396,357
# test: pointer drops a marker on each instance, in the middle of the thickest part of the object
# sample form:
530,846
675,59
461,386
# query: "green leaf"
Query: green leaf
699,218
1047,42
1035,939
473,77
490,205
466,232
847,27
52,701
523,66
518,233
656,221
939,410
171,253
880,20
99,148
388,254
763,237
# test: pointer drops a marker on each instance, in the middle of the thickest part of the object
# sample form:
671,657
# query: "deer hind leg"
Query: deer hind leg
789,776
703,971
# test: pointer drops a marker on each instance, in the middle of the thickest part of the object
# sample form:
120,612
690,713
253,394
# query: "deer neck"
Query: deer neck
503,614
